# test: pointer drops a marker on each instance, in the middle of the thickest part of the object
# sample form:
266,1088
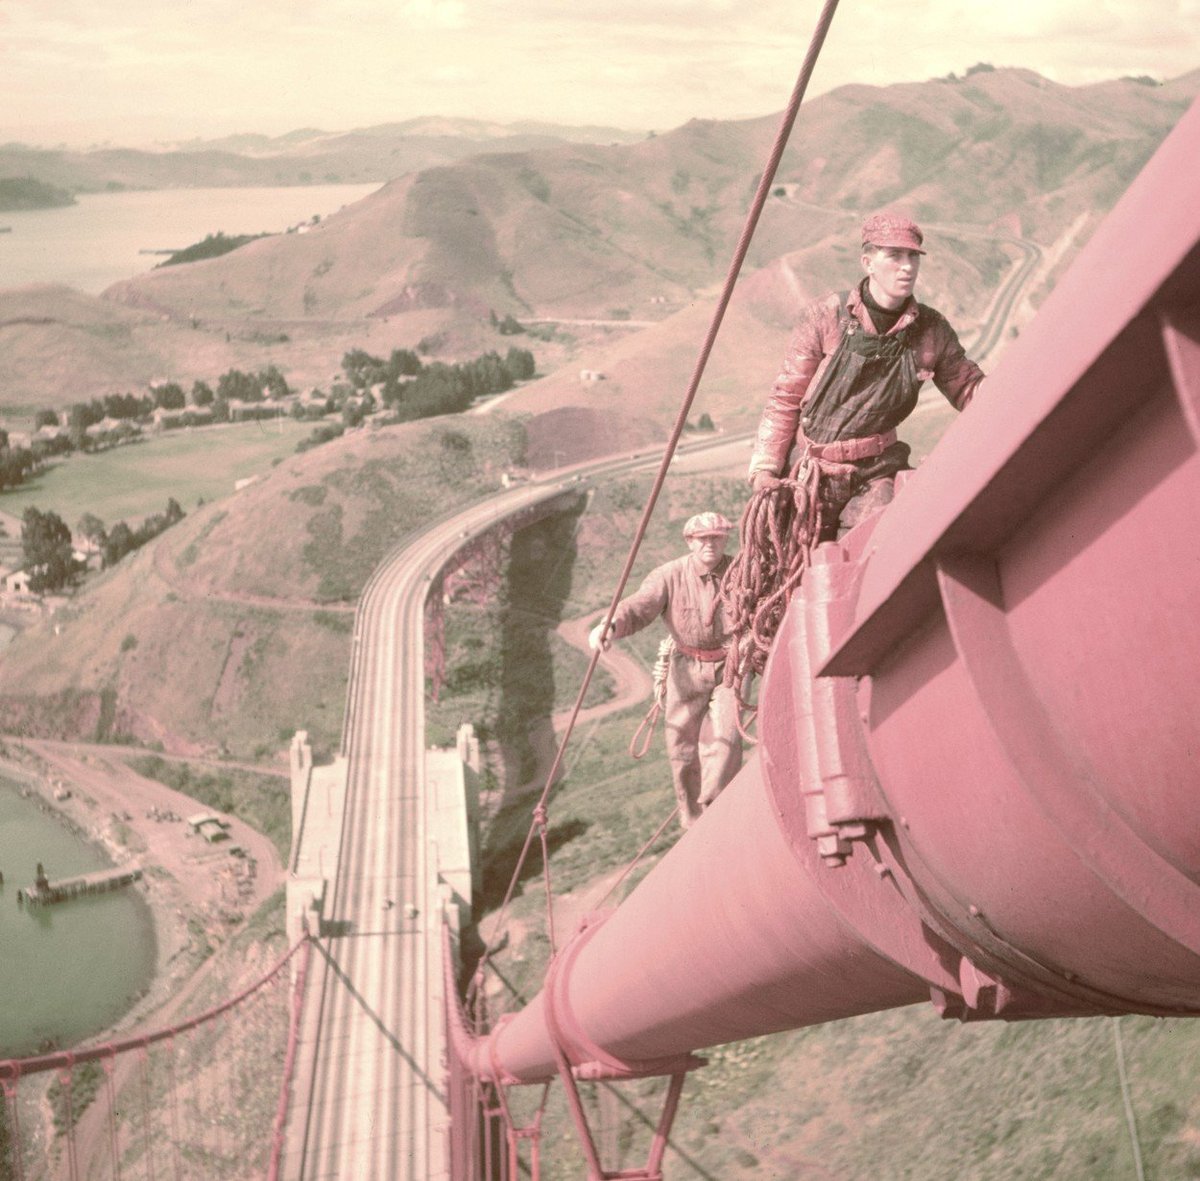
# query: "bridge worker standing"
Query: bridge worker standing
685,593
854,366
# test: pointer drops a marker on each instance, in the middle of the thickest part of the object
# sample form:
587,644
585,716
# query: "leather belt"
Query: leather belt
847,450
709,655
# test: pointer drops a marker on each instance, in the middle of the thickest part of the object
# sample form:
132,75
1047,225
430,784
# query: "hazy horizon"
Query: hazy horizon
136,73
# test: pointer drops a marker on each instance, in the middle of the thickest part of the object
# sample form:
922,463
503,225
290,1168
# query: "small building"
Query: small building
16,582
590,375
211,827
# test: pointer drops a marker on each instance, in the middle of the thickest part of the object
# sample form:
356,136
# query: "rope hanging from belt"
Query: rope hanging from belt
779,526
645,730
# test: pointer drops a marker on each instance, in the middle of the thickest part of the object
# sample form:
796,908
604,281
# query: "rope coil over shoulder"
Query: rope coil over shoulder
779,527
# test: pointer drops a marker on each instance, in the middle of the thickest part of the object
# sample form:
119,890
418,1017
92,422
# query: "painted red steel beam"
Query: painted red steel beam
977,773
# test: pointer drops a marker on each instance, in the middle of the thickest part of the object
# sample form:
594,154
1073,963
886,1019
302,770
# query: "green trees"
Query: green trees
520,364
23,192
170,396
49,557
122,540
439,388
236,386
213,246
91,527
15,464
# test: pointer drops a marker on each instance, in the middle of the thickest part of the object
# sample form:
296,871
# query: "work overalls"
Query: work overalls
849,420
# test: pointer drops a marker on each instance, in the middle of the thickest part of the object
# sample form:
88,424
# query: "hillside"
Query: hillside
594,230
23,192
587,230
300,157
628,232
234,626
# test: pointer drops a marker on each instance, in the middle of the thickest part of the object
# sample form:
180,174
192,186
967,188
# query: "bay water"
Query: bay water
69,970
100,239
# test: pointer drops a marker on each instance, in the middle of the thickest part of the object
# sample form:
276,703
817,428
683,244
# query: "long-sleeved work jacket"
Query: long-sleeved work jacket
688,602
684,597
788,417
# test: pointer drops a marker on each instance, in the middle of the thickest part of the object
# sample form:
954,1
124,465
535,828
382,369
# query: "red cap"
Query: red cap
891,229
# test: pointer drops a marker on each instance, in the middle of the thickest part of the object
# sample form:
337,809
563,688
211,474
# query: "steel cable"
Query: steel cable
739,256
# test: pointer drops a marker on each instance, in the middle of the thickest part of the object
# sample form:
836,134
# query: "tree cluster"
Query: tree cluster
363,370
16,463
121,539
509,325
49,554
23,192
235,385
440,388
213,246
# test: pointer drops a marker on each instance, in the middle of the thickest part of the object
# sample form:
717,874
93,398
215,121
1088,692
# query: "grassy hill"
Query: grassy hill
588,229
903,1095
305,156
233,628
633,232
593,229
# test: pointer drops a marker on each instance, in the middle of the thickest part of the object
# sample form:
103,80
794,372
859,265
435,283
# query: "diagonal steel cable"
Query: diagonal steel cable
739,257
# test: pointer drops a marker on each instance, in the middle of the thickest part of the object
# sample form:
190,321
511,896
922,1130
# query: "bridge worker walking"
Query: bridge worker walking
685,593
826,453
851,375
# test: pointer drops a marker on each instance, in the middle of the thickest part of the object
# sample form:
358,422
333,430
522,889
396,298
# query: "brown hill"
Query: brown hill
587,230
635,231
298,158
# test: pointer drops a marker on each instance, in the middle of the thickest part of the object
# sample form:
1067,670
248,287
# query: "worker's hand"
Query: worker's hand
763,481
598,639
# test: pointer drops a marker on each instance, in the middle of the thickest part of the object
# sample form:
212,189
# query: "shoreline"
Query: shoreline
197,895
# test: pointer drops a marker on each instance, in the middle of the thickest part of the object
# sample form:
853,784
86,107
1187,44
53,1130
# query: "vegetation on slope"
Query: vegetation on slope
213,246
202,642
23,192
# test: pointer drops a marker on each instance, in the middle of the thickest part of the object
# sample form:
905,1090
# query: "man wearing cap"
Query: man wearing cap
685,593
854,366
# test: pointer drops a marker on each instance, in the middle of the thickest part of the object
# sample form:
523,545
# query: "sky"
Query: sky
137,72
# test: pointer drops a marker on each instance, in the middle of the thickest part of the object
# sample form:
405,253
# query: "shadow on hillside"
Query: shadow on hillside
541,565
498,859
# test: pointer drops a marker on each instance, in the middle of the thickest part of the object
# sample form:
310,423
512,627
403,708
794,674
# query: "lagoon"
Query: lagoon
71,970
97,242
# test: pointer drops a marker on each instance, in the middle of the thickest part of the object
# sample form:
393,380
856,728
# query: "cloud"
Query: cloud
207,67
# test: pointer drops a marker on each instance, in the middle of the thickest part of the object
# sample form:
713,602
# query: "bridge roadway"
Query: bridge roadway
368,1096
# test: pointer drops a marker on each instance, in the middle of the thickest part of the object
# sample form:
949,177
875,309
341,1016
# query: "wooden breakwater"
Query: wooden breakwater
44,892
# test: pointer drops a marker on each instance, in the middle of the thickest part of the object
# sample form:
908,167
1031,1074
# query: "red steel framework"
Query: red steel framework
976,778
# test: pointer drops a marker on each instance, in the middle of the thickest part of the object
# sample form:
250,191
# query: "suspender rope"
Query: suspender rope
739,257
